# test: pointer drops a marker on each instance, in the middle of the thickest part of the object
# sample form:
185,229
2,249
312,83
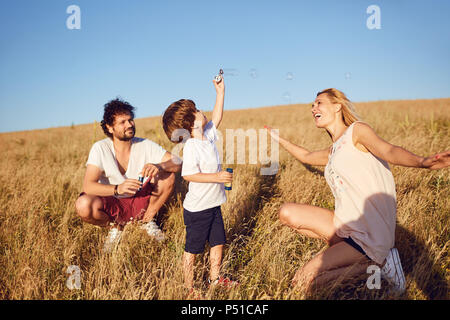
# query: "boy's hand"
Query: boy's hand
224,177
220,87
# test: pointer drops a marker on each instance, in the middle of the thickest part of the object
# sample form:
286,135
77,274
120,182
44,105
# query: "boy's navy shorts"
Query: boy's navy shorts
202,226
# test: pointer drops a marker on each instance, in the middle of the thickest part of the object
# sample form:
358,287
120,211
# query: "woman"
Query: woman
361,230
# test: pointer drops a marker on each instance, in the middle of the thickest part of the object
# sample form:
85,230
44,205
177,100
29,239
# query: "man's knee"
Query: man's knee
171,180
168,182
81,206
163,184
84,206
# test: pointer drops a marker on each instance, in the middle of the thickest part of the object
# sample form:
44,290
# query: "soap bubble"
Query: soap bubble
253,73
230,72
287,97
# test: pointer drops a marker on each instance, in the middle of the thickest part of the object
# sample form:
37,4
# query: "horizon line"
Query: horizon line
238,109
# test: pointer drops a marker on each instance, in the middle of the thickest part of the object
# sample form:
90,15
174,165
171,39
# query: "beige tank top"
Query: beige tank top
365,199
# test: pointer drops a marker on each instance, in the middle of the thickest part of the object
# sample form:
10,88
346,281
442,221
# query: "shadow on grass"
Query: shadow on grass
179,192
241,229
418,265
256,200
313,169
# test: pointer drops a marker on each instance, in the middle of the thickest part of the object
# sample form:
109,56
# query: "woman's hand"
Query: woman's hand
273,133
437,161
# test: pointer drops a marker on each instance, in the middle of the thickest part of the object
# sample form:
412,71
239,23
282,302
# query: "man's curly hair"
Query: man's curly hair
112,109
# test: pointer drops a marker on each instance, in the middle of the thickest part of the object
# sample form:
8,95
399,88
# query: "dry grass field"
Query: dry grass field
41,236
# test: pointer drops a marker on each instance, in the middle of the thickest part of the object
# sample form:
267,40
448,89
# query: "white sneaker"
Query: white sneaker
112,240
392,272
153,230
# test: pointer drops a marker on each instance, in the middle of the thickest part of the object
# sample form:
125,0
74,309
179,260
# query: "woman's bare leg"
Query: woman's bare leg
338,260
311,221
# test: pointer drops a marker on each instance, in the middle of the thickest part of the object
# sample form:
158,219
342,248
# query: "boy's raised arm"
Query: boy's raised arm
218,107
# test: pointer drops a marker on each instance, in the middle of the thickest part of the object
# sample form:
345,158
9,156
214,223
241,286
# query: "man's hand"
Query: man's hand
129,187
150,170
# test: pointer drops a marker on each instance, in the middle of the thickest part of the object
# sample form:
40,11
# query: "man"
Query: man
112,193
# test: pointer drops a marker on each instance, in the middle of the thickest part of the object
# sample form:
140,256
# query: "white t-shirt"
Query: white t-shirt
201,156
103,156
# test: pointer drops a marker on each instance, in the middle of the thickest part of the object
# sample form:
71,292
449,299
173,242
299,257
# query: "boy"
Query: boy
201,167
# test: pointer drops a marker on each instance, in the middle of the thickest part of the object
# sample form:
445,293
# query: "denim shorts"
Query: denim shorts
203,226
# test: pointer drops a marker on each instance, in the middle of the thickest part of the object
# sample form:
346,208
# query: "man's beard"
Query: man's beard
127,135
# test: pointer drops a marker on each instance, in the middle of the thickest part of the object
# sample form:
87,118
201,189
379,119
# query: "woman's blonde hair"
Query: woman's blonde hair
349,114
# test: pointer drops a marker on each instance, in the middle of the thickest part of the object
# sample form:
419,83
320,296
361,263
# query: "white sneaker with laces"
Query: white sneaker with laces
112,240
153,230
392,271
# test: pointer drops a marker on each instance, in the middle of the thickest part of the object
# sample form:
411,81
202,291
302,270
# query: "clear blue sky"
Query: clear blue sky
152,53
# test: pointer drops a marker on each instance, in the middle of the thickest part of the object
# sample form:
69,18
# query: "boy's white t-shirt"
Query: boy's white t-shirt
201,156
103,156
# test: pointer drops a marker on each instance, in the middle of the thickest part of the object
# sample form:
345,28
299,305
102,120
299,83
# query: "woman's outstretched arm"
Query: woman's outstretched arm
365,135
315,158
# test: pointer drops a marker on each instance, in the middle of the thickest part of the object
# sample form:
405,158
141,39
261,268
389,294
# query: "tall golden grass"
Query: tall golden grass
41,236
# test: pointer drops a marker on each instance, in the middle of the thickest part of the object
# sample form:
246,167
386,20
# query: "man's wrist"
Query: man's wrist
116,190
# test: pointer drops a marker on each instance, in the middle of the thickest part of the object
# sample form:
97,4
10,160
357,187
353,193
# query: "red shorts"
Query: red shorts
121,210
